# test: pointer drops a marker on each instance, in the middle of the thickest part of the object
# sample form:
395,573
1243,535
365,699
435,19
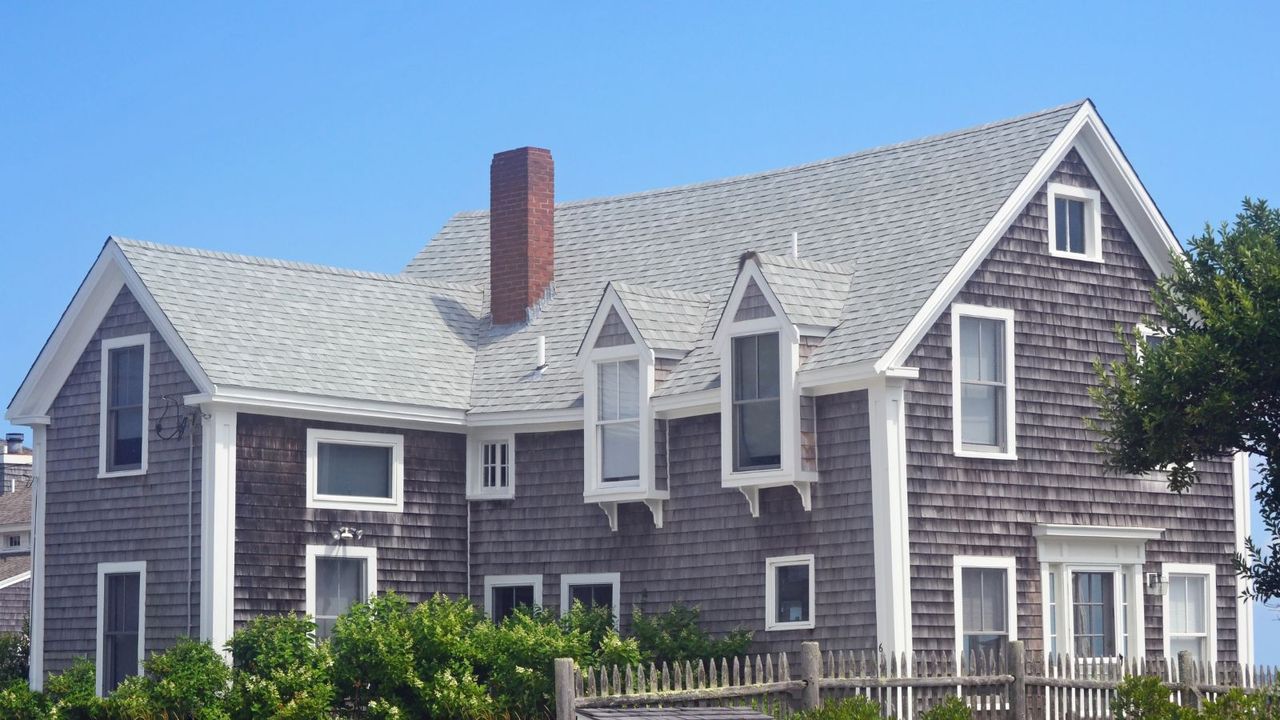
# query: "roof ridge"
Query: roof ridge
819,265
735,179
292,264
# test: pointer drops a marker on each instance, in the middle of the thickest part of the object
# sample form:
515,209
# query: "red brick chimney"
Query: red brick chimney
522,197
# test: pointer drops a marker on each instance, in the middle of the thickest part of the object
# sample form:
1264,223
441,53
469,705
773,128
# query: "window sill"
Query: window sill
105,474
477,496
987,455
1076,256
776,627
331,502
751,483
632,493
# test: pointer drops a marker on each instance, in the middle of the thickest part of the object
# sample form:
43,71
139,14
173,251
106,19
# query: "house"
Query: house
15,533
840,401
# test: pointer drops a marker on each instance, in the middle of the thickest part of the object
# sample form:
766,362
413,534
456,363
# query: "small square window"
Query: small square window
789,593
592,590
15,541
1075,224
355,470
491,466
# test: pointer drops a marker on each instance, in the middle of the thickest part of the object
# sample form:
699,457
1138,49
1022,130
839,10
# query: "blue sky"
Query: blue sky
348,133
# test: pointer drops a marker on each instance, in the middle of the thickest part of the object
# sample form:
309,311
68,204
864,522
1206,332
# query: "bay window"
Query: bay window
757,411
618,420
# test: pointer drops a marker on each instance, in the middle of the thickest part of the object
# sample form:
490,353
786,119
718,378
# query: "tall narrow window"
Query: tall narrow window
125,407
122,586
984,610
1188,615
982,381
340,583
1053,613
618,420
1094,613
495,465
757,423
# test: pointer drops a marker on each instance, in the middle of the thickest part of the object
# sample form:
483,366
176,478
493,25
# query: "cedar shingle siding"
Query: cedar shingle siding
710,551
1067,313
421,551
15,603
88,520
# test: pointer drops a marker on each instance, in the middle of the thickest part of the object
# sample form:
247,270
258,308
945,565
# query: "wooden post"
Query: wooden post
1187,676
811,673
564,689
1017,657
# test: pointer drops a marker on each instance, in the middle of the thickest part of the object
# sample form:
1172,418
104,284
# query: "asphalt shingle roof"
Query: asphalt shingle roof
666,319
15,507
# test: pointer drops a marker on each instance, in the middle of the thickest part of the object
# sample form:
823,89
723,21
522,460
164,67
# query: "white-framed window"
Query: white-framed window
504,594
491,466
757,403
1075,222
1190,611
617,421
982,378
592,590
122,622
338,576
789,593
14,541
125,390
355,470
985,603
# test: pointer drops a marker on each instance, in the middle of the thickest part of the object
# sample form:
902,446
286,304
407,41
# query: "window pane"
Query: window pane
592,595
745,370
507,599
982,414
340,583
984,600
1075,215
984,643
125,376
767,366
1094,614
1195,646
354,470
607,381
120,628
619,389
620,451
125,438
981,349
792,593
1060,224
1187,604
758,428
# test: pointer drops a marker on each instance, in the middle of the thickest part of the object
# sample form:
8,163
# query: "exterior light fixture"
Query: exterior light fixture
347,533
1156,584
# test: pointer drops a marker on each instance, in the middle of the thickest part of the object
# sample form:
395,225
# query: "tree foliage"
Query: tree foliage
1211,387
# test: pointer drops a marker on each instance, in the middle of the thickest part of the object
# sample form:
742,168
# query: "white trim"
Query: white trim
475,465
35,664
142,340
1099,532
309,406
343,550
1210,575
121,568
701,402
395,442
1007,563
1242,507
10,581
771,566
545,420
218,525
1092,200
1010,449
1088,135
14,459
498,581
886,407
610,578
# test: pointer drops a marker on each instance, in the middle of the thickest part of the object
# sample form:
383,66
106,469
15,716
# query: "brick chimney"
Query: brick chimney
522,199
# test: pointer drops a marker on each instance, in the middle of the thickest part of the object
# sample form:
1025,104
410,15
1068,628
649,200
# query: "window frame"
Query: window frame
317,500
568,580
501,581
595,489
771,566
1210,635
142,340
1092,200
343,551
475,466
1009,565
735,403
131,567
598,362
1009,318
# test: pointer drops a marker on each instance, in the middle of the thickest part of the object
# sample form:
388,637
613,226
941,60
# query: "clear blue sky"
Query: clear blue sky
347,133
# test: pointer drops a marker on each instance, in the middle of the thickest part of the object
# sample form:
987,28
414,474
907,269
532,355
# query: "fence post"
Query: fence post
1187,676
1017,658
564,689
811,673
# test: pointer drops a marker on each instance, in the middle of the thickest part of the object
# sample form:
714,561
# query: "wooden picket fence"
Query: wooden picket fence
1008,685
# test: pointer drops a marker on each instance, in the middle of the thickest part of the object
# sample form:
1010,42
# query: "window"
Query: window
125,387
338,576
789,593
1075,225
592,590
1094,613
355,470
491,467
15,541
757,409
985,612
1189,621
504,594
122,592
495,465
618,420
1052,615
982,368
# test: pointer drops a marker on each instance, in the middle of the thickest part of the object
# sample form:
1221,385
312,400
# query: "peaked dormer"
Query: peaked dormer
778,310
636,336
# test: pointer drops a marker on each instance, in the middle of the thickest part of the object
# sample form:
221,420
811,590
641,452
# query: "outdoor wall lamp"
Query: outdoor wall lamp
1156,584
347,533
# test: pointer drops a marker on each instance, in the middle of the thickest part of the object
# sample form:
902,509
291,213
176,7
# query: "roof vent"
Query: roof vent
13,442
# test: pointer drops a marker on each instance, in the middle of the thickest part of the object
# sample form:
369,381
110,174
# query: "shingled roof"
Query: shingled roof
15,507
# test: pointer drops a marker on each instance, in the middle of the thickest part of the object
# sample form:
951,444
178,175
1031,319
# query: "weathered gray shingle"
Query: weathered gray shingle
666,319
15,507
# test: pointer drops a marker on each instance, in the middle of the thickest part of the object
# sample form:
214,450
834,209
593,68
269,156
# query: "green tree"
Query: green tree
1211,386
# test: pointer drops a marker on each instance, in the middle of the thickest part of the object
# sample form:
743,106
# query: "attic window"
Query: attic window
125,387
1075,225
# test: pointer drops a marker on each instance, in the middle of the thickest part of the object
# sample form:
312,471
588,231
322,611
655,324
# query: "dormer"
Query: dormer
778,311
636,336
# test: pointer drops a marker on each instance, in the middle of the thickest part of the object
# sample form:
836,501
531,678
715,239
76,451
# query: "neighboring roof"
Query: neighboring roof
15,507
292,327
672,713
11,565
665,318
901,216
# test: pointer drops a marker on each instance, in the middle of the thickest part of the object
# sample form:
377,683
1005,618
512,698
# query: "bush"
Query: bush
444,659
73,693
953,708
516,660
17,702
279,671
14,650
189,680
675,636
852,708
373,654
1143,697
1237,705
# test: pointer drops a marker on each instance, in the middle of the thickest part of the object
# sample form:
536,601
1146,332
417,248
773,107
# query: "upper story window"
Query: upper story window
984,604
15,541
982,377
355,470
618,420
125,384
491,467
757,409
1075,225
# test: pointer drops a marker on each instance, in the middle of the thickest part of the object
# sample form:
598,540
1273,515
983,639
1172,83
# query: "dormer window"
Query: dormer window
1075,224
757,409
618,420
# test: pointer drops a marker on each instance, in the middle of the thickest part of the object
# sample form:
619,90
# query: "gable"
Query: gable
754,305
614,332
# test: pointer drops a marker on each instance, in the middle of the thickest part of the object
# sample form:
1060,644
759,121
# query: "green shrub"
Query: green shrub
15,647
516,660
189,680
676,636
73,693
852,708
444,660
17,702
1237,705
1143,697
279,671
372,646
953,708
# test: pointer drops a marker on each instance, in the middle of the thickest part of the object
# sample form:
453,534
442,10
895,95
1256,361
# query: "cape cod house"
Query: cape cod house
838,401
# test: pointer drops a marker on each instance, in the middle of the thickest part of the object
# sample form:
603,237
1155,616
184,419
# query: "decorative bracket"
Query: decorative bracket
656,508
611,511
752,494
